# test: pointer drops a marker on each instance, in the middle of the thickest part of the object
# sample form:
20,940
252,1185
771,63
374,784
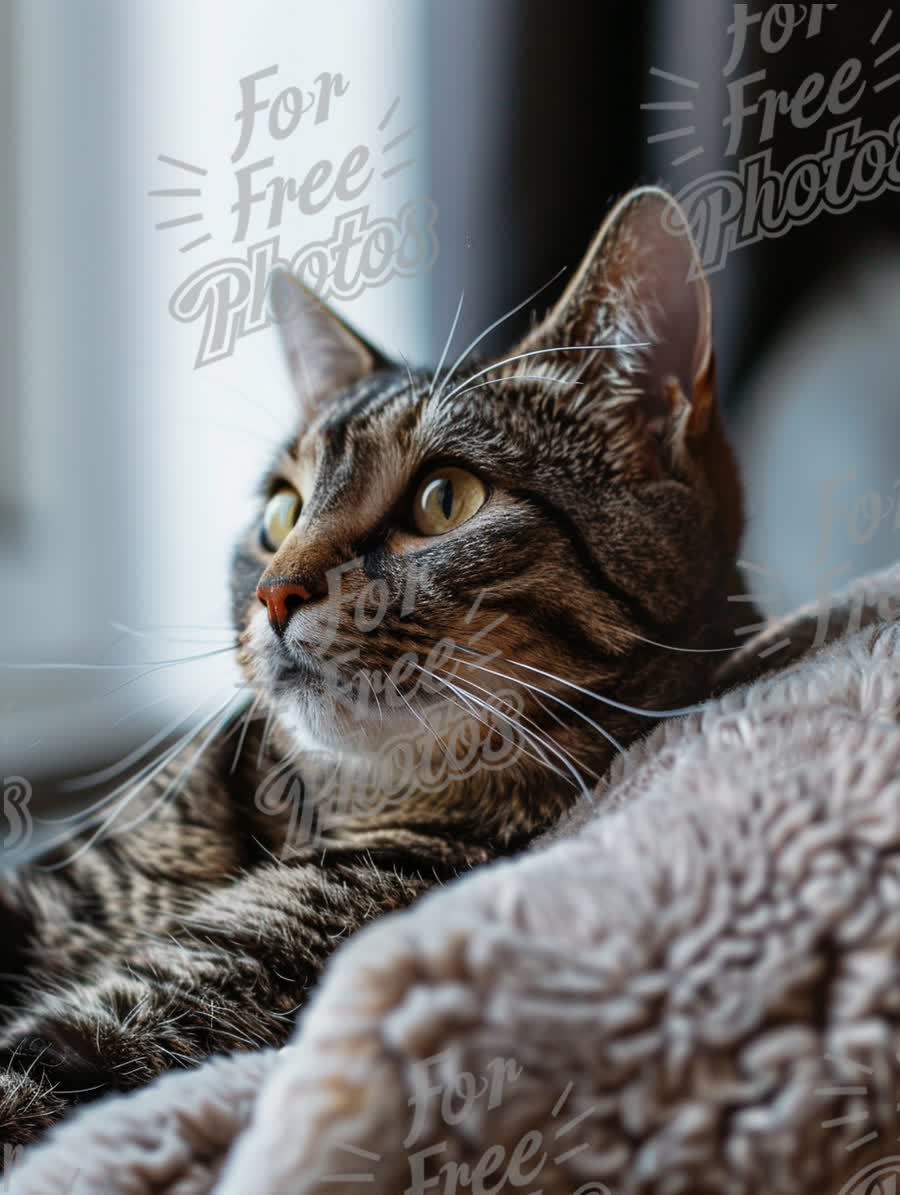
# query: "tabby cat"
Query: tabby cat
502,557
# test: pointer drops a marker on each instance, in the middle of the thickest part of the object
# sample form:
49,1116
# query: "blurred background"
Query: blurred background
126,471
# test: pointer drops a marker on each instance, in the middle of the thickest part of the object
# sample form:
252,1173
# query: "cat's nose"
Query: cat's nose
281,598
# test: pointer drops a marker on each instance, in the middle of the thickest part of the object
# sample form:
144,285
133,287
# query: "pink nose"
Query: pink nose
281,598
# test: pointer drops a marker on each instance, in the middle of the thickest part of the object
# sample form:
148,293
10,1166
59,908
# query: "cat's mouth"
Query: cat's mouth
331,701
297,670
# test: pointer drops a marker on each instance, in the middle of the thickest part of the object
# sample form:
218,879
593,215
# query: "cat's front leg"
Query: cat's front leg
29,1105
92,1038
89,899
230,976
168,1005
45,936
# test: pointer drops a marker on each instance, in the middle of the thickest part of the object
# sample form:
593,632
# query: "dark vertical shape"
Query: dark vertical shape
535,129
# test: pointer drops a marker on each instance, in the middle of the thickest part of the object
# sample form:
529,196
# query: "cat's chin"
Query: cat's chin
319,723
319,714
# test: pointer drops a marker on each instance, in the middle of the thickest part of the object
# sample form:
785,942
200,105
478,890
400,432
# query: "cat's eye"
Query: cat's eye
281,513
445,499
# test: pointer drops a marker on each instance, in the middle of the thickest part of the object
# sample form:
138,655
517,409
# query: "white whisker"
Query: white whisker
628,709
523,377
548,740
154,665
208,655
85,818
218,719
140,709
368,681
540,741
92,779
421,718
449,341
472,705
572,348
496,324
82,818
479,703
248,718
611,739
693,651
148,633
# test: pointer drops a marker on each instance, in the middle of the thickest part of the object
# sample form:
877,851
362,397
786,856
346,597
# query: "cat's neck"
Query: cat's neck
499,794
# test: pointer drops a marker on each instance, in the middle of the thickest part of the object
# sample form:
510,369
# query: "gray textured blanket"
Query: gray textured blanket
693,986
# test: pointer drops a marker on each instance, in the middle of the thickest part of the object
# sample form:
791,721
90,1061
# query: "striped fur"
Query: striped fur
601,564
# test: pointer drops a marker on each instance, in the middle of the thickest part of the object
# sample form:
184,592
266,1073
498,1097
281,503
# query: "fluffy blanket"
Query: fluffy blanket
691,986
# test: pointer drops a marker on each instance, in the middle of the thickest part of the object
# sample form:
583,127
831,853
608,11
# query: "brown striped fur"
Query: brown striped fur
608,538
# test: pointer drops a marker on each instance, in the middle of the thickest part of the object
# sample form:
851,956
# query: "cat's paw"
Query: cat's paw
29,1106
114,1035
57,1055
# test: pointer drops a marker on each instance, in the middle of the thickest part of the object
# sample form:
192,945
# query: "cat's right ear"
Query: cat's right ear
323,354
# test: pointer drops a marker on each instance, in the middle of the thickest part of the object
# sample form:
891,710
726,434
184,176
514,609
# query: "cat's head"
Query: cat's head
553,523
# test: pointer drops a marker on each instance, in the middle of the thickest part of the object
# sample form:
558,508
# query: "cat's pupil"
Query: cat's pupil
447,499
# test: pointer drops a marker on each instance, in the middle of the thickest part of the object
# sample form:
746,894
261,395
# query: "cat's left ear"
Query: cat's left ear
324,355
641,286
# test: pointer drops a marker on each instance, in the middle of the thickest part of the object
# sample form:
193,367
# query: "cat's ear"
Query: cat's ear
324,355
640,287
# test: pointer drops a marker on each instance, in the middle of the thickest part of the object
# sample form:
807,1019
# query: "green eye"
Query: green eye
445,499
281,513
